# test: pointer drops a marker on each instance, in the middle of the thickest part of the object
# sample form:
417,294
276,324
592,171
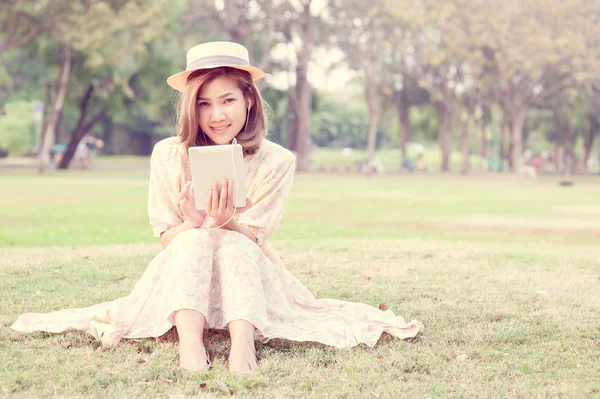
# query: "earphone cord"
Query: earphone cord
236,183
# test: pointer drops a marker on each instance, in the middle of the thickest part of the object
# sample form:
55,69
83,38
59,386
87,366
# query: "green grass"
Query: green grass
503,272
108,205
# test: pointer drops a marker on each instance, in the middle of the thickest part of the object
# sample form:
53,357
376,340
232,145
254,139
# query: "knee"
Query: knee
190,238
184,237
238,242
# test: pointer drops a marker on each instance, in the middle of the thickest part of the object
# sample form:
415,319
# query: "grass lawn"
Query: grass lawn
503,272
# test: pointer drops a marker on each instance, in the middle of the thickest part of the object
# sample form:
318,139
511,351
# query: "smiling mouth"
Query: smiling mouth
219,129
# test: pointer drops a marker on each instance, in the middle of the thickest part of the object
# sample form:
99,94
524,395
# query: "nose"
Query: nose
218,114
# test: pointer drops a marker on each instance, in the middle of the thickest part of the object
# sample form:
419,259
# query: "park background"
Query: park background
491,241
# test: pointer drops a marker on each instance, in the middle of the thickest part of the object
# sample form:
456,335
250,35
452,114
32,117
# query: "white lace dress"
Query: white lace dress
223,274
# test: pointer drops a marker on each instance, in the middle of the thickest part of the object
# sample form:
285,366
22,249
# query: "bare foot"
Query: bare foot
193,357
242,359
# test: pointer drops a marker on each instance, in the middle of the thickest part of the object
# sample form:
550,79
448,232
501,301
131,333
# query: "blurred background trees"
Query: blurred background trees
498,84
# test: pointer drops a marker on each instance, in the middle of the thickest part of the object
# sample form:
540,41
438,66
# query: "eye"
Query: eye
230,100
202,104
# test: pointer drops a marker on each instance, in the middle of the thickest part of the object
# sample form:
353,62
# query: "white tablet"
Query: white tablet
214,163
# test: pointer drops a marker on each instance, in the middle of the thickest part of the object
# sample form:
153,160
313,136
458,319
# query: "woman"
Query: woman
217,269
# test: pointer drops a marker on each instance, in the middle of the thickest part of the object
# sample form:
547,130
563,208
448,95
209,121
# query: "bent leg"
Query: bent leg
243,298
190,328
189,275
242,358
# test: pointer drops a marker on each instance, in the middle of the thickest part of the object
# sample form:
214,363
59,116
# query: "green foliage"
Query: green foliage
425,122
127,48
278,105
17,128
339,122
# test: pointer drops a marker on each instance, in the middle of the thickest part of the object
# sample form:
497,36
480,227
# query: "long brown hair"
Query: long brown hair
188,128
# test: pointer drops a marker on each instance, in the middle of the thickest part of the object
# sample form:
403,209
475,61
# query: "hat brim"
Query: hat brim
179,80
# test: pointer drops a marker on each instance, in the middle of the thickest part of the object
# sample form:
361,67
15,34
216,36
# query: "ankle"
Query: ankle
242,344
191,343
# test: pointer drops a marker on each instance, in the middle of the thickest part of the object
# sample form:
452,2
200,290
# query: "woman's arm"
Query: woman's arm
233,225
168,235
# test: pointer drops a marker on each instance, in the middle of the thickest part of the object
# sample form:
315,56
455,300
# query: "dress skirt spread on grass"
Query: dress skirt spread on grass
223,274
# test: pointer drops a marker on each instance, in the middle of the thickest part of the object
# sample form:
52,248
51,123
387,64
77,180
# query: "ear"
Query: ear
249,105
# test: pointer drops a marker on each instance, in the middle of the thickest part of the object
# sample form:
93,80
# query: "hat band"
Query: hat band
216,60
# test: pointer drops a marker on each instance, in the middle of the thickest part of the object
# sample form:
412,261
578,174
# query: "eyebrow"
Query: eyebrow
221,96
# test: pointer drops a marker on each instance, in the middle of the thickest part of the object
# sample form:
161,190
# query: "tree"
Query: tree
109,38
536,50
362,31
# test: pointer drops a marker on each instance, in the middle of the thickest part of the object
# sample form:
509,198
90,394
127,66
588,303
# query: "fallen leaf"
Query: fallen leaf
202,386
461,358
383,306
110,372
38,292
223,387
140,360
543,292
177,396
164,381
380,357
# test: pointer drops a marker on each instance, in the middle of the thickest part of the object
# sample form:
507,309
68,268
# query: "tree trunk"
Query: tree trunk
588,143
291,121
302,130
509,157
556,143
556,154
466,140
81,129
503,134
48,132
483,150
405,132
569,157
371,93
446,133
516,127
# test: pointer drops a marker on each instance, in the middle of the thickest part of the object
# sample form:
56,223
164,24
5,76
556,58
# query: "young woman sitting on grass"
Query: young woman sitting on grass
226,278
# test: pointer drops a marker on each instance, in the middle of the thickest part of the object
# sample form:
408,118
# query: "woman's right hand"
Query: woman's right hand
187,203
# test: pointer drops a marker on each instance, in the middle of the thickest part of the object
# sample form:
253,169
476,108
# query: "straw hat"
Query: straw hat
212,55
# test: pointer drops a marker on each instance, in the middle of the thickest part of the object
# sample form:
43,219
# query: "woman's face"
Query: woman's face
221,109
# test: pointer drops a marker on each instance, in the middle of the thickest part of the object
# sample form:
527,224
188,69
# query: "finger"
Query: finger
208,204
245,208
183,205
215,197
229,195
223,197
192,192
184,191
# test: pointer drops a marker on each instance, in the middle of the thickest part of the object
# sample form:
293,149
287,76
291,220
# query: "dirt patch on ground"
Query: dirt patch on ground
569,233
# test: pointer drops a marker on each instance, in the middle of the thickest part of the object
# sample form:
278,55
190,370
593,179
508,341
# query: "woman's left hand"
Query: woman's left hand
219,205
